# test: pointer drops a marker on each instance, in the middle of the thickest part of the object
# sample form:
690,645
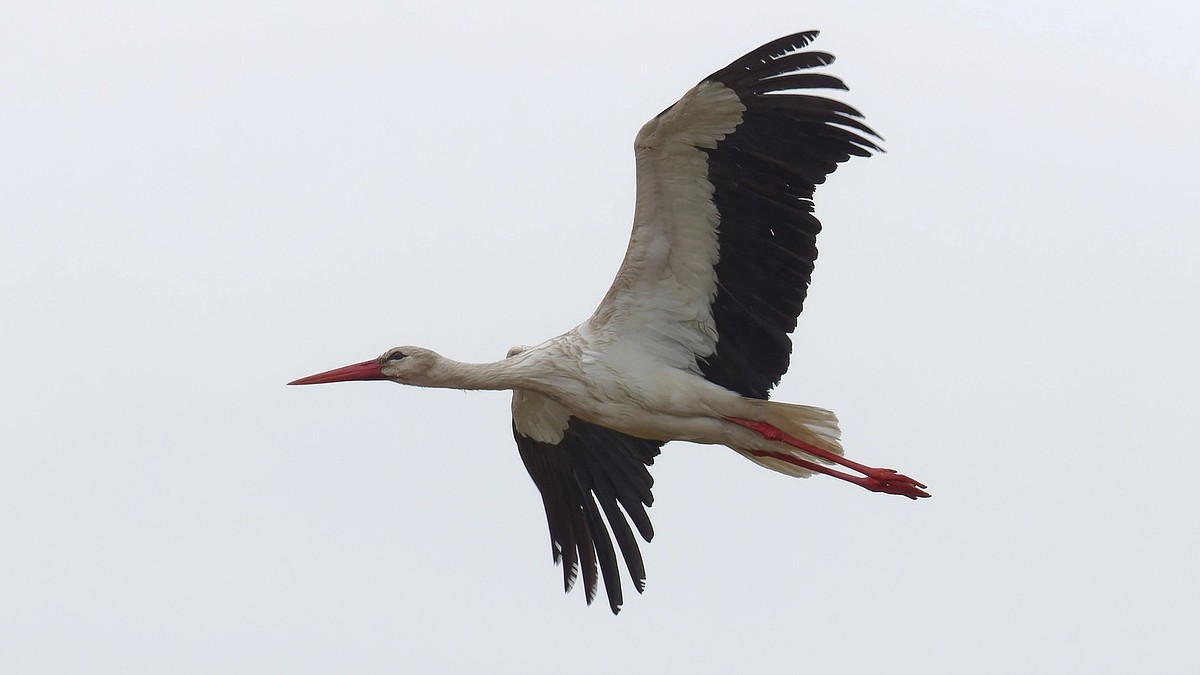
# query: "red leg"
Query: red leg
876,480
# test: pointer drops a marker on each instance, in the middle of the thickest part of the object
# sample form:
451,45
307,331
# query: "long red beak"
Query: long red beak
367,370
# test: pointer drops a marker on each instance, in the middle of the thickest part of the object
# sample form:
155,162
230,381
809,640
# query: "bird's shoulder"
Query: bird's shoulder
700,118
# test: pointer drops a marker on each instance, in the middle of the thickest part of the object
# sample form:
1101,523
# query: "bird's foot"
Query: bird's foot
890,482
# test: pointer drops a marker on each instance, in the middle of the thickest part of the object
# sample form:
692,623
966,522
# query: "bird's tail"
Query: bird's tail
806,423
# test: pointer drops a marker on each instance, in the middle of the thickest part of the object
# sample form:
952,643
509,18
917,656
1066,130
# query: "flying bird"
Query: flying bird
693,334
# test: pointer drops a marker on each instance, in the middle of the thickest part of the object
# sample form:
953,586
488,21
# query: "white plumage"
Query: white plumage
693,333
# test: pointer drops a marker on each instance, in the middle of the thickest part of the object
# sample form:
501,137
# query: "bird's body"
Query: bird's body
577,377
692,334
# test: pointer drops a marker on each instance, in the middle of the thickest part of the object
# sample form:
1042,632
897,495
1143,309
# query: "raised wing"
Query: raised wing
724,236
576,465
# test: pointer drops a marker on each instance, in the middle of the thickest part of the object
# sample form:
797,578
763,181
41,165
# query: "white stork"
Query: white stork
693,333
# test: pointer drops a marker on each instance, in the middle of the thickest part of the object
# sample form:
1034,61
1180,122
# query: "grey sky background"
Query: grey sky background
201,203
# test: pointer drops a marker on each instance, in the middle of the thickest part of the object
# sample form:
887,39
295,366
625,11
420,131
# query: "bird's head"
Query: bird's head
406,365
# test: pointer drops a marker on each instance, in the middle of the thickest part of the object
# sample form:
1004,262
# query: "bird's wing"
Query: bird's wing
724,235
576,464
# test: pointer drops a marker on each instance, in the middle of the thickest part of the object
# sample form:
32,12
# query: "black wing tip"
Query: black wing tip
772,74
764,54
569,575
765,172
586,479
786,44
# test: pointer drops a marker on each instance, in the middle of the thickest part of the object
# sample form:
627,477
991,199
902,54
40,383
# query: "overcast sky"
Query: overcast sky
202,203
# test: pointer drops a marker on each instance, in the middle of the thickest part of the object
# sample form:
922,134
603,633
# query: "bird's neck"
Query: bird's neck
450,374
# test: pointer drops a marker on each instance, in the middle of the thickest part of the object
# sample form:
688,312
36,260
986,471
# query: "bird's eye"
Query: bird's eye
396,356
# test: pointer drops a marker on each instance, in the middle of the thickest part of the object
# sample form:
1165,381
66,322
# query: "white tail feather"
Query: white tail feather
811,425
